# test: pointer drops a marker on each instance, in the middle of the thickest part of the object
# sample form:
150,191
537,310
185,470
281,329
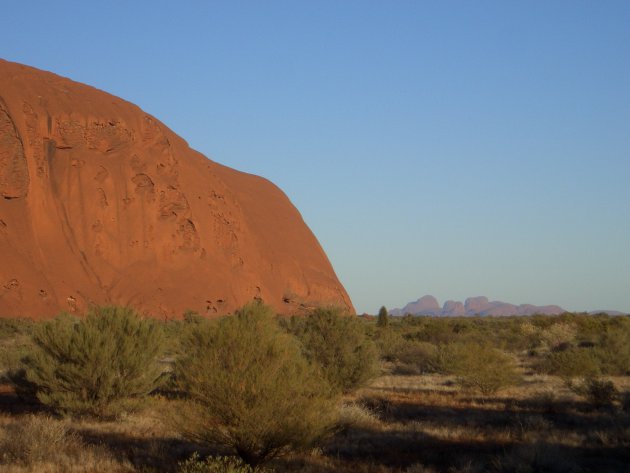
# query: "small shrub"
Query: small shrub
99,365
43,444
598,392
36,439
357,416
338,343
214,465
478,367
390,344
251,389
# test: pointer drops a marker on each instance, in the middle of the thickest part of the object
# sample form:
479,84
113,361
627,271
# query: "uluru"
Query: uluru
100,203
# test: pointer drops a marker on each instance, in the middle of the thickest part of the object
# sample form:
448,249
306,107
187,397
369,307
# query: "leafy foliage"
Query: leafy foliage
606,352
572,363
613,350
339,344
97,365
477,366
251,389
390,343
408,356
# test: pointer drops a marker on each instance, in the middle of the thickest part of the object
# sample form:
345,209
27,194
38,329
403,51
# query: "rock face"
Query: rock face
102,203
476,305
454,308
428,305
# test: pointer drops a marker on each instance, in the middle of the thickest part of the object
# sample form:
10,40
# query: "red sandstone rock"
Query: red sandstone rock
102,203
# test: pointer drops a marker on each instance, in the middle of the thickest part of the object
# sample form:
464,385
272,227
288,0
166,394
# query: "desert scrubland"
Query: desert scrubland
318,394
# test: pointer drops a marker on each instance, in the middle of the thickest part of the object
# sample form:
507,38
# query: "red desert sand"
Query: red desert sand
100,203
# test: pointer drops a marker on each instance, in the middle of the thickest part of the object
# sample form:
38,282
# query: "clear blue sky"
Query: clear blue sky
452,148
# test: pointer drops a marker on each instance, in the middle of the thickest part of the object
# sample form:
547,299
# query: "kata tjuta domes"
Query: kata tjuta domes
102,203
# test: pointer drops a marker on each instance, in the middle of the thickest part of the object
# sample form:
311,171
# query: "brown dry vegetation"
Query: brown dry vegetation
410,419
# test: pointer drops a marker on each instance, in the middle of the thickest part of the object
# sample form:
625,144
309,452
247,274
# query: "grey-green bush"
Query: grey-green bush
390,343
613,351
251,389
99,365
572,363
339,344
409,356
476,366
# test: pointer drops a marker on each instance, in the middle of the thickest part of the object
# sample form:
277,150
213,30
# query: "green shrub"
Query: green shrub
613,351
390,343
558,334
98,365
251,389
479,367
339,344
410,357
571,363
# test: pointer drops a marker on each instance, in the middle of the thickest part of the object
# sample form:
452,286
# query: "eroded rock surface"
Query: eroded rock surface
102,203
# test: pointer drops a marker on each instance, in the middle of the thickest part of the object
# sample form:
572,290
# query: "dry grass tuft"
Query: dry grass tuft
44,444
354,415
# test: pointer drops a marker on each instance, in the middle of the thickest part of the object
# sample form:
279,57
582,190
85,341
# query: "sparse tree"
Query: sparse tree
383,318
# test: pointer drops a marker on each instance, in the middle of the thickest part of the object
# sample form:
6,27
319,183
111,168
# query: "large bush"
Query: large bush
251,389
96,365
571,363
390,343
613,350
608,353
339,344
477,366
408,356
